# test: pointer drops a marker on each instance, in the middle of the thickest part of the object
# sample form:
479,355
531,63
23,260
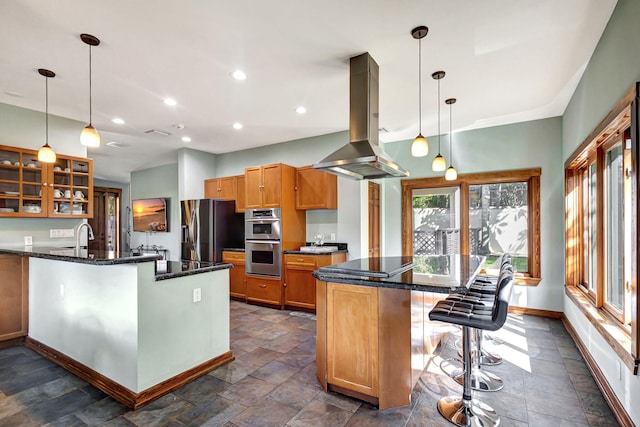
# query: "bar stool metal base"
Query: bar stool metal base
466,413
480,380
487,358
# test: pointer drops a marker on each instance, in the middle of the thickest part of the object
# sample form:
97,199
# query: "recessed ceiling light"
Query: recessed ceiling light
186,139
117,120
237,125
170,101
239,75
301,110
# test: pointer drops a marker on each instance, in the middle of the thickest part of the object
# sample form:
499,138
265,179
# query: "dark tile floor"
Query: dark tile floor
272,383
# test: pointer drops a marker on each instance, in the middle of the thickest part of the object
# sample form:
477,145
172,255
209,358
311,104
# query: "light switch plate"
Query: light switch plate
28,240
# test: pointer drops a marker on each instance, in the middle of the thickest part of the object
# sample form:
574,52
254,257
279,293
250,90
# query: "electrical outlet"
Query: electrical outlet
333,237
28,240
197,295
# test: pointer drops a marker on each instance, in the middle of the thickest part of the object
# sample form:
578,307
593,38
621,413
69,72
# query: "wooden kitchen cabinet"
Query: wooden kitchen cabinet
352,338
266,290
221,188
316,189
241,201
14,296
28,188
300,285
237,276
266,186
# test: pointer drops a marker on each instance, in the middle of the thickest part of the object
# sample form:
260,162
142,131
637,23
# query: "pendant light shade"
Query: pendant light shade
420,146
89,135
451,174
439,163
46,153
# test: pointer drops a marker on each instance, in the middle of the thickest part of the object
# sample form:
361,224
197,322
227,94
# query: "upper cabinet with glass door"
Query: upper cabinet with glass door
21,183
29,188
70,187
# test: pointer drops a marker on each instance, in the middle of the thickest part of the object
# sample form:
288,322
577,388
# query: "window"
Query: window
601,229
487,214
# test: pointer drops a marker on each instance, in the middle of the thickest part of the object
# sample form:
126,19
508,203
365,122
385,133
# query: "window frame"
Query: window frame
531,176
620,331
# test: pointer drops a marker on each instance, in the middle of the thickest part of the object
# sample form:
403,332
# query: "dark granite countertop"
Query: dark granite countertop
233,250
437,273
85,256
187,268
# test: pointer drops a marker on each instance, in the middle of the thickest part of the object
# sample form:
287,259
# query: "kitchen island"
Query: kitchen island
131,331
374,337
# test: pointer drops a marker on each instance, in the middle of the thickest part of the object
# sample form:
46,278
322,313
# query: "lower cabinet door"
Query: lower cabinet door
300,288
352,337
264,289
14,297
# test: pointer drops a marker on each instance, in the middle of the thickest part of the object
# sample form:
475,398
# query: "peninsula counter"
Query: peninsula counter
114,321
374,337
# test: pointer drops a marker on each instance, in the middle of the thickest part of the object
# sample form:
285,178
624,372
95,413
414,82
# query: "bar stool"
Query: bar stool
465,410
482,303
486,285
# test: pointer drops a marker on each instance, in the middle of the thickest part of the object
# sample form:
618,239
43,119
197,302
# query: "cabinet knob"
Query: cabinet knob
263,286
284,285
300,259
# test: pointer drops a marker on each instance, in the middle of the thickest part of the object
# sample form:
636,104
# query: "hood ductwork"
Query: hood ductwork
362,158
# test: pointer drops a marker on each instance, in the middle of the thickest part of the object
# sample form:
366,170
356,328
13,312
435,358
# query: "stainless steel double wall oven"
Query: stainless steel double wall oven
263,242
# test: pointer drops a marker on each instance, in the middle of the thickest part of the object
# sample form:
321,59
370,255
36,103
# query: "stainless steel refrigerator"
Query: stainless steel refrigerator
208,226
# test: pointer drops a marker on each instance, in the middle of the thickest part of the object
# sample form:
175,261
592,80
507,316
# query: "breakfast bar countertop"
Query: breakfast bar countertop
428,273
84,256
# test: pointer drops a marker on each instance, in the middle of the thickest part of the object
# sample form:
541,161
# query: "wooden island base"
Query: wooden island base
372,342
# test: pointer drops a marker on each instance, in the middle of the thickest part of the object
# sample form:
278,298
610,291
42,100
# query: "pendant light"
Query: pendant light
89,135
451,174
46,153
420,146
439,163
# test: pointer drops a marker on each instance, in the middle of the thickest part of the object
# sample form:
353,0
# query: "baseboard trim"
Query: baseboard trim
120,393
536,312
11,342
612,400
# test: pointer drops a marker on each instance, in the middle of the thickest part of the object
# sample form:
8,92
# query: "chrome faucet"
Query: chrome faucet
89,234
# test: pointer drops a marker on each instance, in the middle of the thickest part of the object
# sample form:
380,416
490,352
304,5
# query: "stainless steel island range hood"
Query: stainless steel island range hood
362,158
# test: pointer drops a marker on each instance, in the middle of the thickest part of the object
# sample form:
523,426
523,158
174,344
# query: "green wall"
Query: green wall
613,68
24,128
535,144
161,181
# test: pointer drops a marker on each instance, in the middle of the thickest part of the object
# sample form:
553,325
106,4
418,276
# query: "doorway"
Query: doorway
106,219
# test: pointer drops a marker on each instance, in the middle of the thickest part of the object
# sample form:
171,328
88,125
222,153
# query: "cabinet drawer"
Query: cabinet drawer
264,290
233,257
295,259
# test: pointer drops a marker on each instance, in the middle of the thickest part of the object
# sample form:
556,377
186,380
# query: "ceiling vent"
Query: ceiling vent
159,132
116,144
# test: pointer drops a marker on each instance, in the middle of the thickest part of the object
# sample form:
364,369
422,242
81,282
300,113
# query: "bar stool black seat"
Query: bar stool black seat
465,410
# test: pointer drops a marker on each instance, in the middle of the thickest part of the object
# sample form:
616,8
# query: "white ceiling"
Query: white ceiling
506,61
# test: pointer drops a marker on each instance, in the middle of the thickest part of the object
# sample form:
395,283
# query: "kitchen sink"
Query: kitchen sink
318,249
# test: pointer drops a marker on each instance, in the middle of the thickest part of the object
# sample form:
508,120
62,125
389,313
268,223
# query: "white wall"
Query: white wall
95,321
